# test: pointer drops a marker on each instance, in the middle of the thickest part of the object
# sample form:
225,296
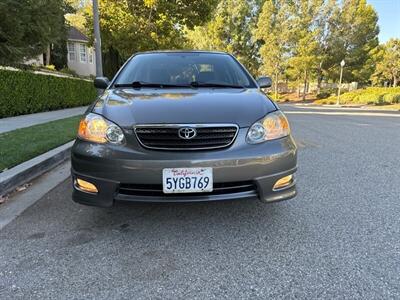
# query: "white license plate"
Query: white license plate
187,180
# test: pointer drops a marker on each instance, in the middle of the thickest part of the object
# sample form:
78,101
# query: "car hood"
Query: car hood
128,107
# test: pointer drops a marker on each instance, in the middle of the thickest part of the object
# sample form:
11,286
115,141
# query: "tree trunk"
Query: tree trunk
394,81
276,85
47,56
305,86
319,80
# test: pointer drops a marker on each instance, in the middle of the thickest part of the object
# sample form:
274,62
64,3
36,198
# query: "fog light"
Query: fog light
283,182
85,186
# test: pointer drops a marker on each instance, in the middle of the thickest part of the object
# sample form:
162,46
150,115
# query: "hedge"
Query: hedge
24,92
372,95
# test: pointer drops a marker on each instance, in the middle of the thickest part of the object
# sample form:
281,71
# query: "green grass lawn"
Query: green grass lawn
23,144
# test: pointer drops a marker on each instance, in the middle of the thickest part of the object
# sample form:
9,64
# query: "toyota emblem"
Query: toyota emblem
187,133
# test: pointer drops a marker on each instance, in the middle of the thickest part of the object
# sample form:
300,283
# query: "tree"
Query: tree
325,22
27,27
305,31
273,33
138,25
230,30
129,26
387,60
77,18
59,53
353,37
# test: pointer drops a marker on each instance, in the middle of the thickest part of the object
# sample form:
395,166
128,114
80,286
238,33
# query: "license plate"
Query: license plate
187,180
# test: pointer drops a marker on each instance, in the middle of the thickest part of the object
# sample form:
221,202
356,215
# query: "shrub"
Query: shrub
69,72
23,92
370,98
329,100
50,67
348,97
323,95
392,98
326,92
374,95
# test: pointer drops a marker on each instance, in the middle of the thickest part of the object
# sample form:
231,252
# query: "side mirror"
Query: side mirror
101,83
264,82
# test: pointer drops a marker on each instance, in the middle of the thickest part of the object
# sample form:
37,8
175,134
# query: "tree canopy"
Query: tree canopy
297,41
307,39
28,27
230,30
387,58
353,36
138,25
273,31
129,26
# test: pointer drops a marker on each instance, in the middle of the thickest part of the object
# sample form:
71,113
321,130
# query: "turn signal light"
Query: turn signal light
93,128
283,182
85,186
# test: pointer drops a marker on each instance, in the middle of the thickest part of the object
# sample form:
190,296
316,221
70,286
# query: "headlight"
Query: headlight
96,129
273,126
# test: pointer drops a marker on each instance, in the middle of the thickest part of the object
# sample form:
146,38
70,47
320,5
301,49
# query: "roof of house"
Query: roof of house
75,34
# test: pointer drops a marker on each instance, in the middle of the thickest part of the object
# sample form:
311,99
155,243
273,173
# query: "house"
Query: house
81,57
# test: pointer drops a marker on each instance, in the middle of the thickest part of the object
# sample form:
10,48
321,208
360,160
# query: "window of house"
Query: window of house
90,55
71,51
82,52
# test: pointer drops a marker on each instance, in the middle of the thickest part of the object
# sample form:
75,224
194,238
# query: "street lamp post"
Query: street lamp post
342,63
97,39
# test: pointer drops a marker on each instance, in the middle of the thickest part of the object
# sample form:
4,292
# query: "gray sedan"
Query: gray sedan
179,126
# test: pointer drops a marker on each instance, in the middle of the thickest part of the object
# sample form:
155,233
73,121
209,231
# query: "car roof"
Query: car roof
181,51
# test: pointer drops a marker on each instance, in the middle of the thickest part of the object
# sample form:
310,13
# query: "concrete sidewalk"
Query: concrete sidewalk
12,123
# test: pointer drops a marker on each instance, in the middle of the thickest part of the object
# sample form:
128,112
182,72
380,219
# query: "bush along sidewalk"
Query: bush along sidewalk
373,95
23,92
23,144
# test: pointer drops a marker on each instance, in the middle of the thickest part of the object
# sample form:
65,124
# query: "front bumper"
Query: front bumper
240,171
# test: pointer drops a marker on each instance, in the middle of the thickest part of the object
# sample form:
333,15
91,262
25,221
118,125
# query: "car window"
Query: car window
183,69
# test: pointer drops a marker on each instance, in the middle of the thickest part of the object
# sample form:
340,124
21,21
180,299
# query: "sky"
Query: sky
389,18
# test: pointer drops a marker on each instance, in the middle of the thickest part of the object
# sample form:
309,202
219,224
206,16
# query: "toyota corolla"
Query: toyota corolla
183,127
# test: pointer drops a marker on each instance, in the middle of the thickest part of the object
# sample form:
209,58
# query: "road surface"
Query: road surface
338,239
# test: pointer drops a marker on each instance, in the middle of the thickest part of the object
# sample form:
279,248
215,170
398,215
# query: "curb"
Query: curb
20,201
29,170
341,108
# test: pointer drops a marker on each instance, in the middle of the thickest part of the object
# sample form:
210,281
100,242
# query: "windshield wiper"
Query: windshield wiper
140,84
193,84
210,84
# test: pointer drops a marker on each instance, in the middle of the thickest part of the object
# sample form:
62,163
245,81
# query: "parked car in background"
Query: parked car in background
183,126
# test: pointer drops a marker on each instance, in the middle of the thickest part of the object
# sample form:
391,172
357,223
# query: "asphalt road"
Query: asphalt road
338,239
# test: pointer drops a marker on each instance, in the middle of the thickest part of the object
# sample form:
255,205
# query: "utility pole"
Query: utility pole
342,63
97,39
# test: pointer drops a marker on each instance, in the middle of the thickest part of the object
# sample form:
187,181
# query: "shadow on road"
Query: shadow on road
187,218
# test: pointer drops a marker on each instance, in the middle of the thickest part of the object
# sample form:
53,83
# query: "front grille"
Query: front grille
156,190
167,136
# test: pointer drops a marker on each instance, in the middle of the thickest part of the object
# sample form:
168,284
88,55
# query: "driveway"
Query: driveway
338,239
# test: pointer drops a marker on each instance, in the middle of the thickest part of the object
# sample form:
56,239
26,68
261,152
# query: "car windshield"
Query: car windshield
184,69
